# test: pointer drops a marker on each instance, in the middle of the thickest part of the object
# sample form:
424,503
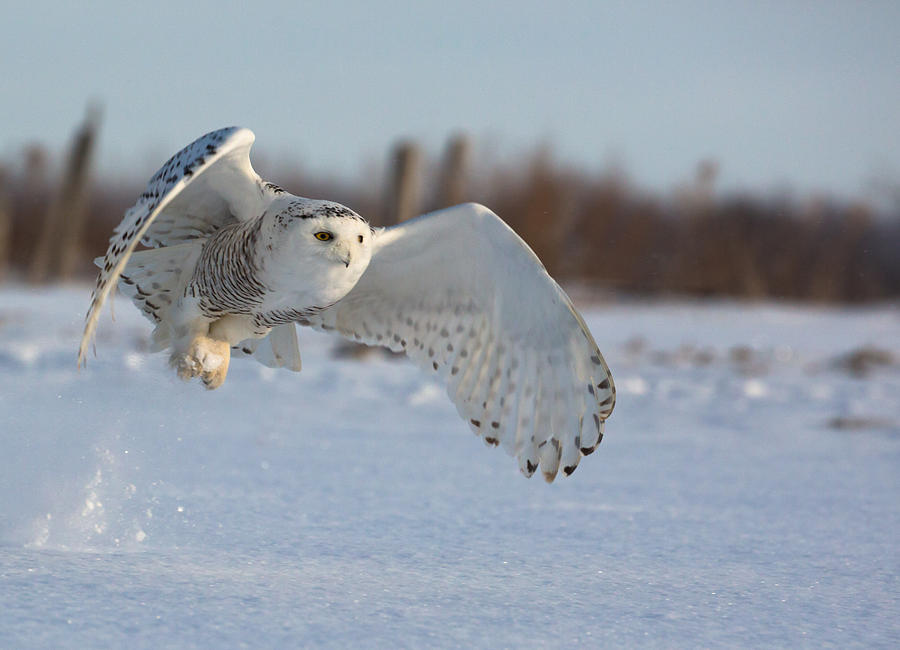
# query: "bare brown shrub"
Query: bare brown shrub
597,229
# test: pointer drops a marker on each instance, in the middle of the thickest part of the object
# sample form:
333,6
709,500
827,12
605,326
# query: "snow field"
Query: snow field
745,494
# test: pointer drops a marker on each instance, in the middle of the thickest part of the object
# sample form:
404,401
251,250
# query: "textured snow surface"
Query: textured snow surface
747,493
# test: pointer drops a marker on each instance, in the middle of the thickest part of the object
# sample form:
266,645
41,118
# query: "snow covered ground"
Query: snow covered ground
747,493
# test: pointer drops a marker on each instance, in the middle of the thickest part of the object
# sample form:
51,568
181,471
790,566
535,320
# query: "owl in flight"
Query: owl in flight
233,262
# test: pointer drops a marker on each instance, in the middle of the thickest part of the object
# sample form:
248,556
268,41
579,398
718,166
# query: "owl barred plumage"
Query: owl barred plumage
226,280
238,261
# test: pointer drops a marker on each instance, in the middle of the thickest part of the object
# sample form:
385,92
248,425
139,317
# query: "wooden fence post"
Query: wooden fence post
5,224
59,243
404,193
73,227
452,188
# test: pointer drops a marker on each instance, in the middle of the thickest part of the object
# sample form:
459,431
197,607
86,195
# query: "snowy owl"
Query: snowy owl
234,262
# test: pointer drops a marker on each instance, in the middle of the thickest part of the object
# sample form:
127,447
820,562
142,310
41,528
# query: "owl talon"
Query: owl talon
186,366
215,378
213,357
206,358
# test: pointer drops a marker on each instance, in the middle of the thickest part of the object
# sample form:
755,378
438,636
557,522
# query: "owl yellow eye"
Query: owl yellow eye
324,236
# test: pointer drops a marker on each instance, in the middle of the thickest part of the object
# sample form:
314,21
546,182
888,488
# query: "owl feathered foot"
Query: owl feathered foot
206,358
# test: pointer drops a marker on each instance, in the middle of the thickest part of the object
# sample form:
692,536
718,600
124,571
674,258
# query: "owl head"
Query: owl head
321,241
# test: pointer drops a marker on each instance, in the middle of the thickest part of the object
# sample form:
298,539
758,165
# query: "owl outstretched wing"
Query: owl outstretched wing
466,298
207,185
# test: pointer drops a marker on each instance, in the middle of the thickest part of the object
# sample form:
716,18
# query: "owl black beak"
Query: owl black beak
342,254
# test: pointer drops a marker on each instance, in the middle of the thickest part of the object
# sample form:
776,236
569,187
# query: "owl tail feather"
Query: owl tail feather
279,349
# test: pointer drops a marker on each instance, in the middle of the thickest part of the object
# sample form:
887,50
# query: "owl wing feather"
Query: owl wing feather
207,185
467,299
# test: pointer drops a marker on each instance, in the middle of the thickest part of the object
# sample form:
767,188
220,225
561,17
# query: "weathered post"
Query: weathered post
73,226
5,224
59,243
404,190
452,189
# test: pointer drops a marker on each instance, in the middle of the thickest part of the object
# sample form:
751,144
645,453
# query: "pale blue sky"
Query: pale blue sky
803,94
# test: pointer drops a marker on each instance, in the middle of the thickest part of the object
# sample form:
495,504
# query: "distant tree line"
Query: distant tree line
594,229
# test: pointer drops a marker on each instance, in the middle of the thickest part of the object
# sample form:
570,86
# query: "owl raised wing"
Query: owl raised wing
207,185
